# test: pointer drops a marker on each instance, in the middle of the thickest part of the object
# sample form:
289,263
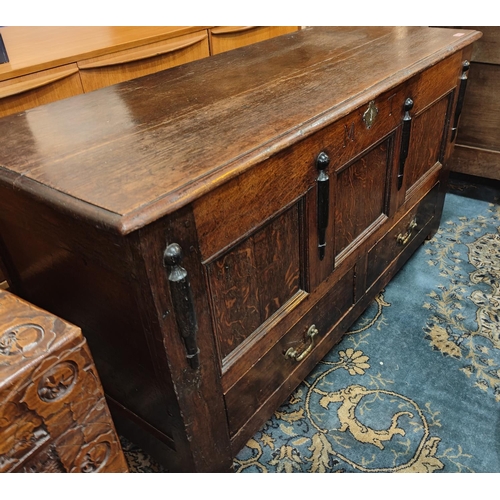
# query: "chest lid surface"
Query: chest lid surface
126,155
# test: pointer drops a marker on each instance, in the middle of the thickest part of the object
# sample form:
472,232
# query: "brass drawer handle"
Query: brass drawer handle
292,353
404,238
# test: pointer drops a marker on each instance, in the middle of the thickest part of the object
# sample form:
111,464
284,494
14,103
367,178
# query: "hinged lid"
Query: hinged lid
125,155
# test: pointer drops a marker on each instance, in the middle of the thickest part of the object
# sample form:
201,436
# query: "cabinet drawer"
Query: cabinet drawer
139,61
400,236
25,92
292,356
224,38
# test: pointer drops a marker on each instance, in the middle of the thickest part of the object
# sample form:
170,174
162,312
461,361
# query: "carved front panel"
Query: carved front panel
361,194
254,279
53,415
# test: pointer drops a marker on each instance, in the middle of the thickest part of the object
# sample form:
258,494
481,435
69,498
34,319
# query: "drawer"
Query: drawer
139,61
400,236
25,92
224,38
292,356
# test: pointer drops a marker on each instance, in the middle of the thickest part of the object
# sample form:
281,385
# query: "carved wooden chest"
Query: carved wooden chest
215,228
53,415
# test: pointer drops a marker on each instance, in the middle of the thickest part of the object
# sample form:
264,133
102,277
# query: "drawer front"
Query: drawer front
400,236
132,63
298,350
26,92
224,38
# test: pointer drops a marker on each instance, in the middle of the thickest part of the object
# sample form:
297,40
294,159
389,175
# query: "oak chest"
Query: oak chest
215,228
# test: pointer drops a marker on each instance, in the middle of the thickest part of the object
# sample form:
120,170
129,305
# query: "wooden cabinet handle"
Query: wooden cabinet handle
224,30
405,140
42,81
140,55
460,100
182,299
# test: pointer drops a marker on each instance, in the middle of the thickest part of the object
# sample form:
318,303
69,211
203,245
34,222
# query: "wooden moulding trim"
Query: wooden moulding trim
477,149
65,203
145,53
42,81
224,30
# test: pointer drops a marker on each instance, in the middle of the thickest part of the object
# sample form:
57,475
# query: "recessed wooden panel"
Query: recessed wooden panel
360,197
273,369
426,141
253,280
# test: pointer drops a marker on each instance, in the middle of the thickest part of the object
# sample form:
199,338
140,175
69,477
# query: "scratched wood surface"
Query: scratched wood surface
163,161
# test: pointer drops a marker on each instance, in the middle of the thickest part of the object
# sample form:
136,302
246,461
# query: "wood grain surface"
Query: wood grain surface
146,156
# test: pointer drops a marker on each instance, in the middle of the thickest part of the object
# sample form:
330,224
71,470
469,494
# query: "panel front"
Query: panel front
254,279
426,143
361,196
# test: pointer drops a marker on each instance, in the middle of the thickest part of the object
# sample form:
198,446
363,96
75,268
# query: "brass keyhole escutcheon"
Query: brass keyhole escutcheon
292,353
370,114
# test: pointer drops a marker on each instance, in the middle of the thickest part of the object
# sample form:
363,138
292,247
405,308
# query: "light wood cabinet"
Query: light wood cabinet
223,38
39,88
132,63
47,64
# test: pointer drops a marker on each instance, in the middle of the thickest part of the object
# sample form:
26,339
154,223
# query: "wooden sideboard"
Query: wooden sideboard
47,64
477,149
215,229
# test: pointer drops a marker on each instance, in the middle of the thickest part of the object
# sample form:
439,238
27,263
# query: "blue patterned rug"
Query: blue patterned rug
415,384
